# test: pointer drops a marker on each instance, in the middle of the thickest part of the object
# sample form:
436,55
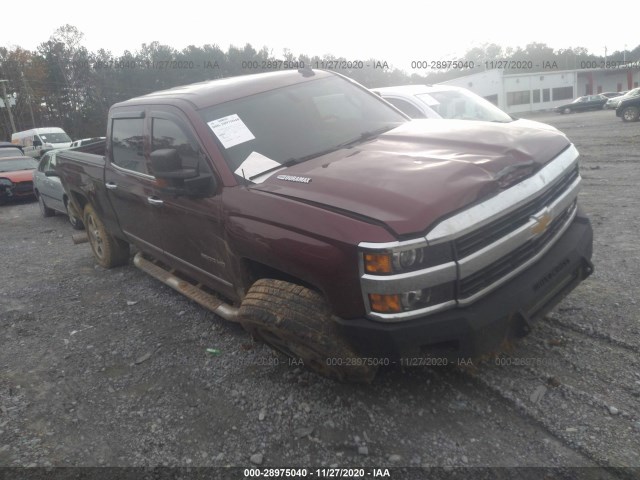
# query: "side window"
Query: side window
406,107
44,163
127,141
167,134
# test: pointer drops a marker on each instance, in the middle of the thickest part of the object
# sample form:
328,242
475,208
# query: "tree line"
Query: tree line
63,84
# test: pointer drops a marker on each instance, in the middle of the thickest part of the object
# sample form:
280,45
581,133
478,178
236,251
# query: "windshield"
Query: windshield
26,163
55,137
296,123
463,104
10,152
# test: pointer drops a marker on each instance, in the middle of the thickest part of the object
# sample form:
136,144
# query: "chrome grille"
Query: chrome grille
492,273
486,235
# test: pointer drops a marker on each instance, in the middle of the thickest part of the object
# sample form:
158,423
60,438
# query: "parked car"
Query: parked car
341,233
629,108
613,103
582,104
445,101
16,171
85,141
612,94
49,191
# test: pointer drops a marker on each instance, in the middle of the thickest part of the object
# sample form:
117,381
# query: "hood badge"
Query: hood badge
294,178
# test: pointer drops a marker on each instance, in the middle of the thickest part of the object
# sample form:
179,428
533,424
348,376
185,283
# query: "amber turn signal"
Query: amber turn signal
385,303
377,262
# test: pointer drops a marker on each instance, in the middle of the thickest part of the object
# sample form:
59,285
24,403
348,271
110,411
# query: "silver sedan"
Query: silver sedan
49,191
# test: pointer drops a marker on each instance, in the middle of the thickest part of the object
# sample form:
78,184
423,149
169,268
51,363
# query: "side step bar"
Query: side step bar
190,290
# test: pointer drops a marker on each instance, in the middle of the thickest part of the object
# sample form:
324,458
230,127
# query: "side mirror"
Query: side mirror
37,143
167,165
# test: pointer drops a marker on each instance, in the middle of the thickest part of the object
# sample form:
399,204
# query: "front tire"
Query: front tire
630,114
108,250
566,110
297,322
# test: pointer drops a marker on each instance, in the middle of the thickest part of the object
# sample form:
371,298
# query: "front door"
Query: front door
191,226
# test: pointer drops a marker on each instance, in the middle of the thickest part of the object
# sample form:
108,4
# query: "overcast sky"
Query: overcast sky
395,31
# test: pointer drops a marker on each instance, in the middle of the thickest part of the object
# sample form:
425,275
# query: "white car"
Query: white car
50,192
445,101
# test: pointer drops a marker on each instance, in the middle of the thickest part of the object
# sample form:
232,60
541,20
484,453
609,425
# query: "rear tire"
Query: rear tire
630,114
44,210
108,250
297,322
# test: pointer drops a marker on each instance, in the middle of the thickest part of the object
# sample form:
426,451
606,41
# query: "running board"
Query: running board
208,301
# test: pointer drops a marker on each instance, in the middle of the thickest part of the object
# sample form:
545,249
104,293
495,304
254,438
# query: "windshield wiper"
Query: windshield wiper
359,139
288,163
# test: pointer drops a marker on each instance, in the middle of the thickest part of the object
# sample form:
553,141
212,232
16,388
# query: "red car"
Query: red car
16,173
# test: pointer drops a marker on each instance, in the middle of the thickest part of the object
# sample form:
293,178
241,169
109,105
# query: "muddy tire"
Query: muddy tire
297,322
108,250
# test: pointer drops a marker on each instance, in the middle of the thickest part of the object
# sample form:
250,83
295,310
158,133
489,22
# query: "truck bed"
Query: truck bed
81,172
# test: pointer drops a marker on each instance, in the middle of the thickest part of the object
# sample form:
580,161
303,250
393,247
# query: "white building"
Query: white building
528,92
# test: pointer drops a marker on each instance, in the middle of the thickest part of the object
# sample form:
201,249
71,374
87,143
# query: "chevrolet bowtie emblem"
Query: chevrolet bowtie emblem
542,223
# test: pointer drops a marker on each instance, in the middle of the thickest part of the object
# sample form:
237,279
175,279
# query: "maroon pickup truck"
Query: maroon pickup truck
331,226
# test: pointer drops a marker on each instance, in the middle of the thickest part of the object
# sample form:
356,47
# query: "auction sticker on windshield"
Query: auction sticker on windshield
254,165
231,130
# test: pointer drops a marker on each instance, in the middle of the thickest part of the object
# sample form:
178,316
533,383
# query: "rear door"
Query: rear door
49,187
191,226
131,188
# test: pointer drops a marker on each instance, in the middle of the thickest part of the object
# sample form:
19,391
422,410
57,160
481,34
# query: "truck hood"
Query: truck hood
422,171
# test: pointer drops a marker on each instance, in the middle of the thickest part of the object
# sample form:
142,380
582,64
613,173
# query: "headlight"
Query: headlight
405,259
407,276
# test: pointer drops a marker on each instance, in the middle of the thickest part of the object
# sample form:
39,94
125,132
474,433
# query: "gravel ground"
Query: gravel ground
110,368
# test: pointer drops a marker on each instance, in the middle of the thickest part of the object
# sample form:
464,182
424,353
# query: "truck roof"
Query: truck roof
214,92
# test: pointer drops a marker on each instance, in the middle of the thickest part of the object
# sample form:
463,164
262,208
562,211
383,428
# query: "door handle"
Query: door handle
154,201
111,185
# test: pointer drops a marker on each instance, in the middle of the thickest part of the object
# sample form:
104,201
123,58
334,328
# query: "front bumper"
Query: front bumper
482,327
16,191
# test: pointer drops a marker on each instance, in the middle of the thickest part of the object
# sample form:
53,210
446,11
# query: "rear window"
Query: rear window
26,163
10,152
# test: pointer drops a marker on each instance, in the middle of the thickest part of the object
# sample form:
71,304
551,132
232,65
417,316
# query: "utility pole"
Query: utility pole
26,89
6,103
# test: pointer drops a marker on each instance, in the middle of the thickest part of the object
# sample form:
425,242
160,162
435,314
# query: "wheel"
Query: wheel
630,114
75,222
108,250
566,110
44,210
297,322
